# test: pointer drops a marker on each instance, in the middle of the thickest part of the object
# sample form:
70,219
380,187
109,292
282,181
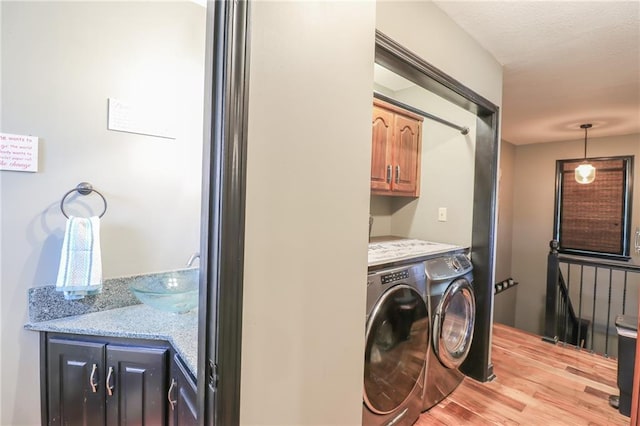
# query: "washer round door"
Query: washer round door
453,324
397,340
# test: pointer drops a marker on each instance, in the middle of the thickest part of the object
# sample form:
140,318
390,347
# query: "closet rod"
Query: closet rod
463,129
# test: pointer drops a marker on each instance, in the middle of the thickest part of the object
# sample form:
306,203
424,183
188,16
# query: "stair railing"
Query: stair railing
563,323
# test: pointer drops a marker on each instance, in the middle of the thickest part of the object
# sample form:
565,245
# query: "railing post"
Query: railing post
550,319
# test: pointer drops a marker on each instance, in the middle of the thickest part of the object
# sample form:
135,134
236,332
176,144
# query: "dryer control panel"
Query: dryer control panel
458,263
447,267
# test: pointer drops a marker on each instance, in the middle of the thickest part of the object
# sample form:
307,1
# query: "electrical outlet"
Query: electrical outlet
442,214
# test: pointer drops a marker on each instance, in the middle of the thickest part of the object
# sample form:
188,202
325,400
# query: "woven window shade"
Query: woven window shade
592,215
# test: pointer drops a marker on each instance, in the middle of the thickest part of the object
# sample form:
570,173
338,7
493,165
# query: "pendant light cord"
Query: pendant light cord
585,127
585,143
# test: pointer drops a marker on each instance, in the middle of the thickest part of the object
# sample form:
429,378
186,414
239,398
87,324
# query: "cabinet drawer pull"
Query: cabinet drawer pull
109,387
398,174
389,173
92,379
172,402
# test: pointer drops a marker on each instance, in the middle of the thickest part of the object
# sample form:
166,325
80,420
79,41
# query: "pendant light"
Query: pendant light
585,172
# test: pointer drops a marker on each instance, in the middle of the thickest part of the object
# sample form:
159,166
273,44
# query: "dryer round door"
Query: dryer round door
397,340
453,324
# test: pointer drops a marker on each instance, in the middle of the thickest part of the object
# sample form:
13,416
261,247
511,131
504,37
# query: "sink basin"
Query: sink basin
169,292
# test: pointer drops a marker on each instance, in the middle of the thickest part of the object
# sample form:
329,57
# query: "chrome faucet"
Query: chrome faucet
192,259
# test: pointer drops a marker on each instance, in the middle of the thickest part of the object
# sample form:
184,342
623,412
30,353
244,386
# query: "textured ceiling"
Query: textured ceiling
565,63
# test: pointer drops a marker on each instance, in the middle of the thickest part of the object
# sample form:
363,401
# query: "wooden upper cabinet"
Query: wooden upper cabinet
395,153
381,172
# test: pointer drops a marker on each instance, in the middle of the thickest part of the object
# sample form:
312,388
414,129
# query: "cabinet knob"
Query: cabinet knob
172,402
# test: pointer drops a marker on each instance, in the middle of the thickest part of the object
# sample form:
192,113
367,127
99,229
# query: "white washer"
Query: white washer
452,312
396,347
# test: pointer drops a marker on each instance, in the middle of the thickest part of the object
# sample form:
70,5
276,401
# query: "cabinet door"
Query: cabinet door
183,403
381,172
75,382
406,155
136,385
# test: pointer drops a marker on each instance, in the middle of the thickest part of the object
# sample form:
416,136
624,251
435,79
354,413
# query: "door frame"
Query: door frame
405,63
223,211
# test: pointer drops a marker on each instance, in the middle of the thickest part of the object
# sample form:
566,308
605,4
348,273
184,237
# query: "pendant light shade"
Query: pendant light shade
585,172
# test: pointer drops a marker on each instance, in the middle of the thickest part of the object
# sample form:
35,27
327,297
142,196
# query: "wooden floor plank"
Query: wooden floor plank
536,383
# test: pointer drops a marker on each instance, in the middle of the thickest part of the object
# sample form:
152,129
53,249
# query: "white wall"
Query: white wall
381,209
60,63
2,394
504,309
533,209
505,211
307,212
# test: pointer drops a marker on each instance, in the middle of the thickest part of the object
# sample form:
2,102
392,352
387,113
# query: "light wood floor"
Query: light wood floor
536,383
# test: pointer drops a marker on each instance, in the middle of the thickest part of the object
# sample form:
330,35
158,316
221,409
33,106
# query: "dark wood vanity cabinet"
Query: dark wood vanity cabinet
136,385
183,403
97,381
75,372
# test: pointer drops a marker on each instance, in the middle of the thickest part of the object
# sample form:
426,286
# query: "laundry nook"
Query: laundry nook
420,318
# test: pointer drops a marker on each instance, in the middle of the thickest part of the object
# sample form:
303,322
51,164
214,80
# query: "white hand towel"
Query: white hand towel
80,272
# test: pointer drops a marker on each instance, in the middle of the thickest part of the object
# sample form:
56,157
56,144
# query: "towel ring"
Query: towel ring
83,188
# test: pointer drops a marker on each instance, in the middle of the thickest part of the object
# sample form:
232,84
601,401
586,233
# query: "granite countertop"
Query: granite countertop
135,321
116,312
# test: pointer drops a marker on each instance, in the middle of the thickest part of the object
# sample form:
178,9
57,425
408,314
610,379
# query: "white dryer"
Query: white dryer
397,344
452,311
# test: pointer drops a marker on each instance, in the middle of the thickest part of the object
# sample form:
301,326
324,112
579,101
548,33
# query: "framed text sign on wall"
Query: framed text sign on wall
18,153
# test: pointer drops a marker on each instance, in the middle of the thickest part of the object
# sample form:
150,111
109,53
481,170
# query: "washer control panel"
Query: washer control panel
394,276
412,275
408,274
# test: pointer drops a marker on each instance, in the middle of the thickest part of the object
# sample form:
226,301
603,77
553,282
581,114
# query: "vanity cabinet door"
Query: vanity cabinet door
75,385
95,382
182,396
136,385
